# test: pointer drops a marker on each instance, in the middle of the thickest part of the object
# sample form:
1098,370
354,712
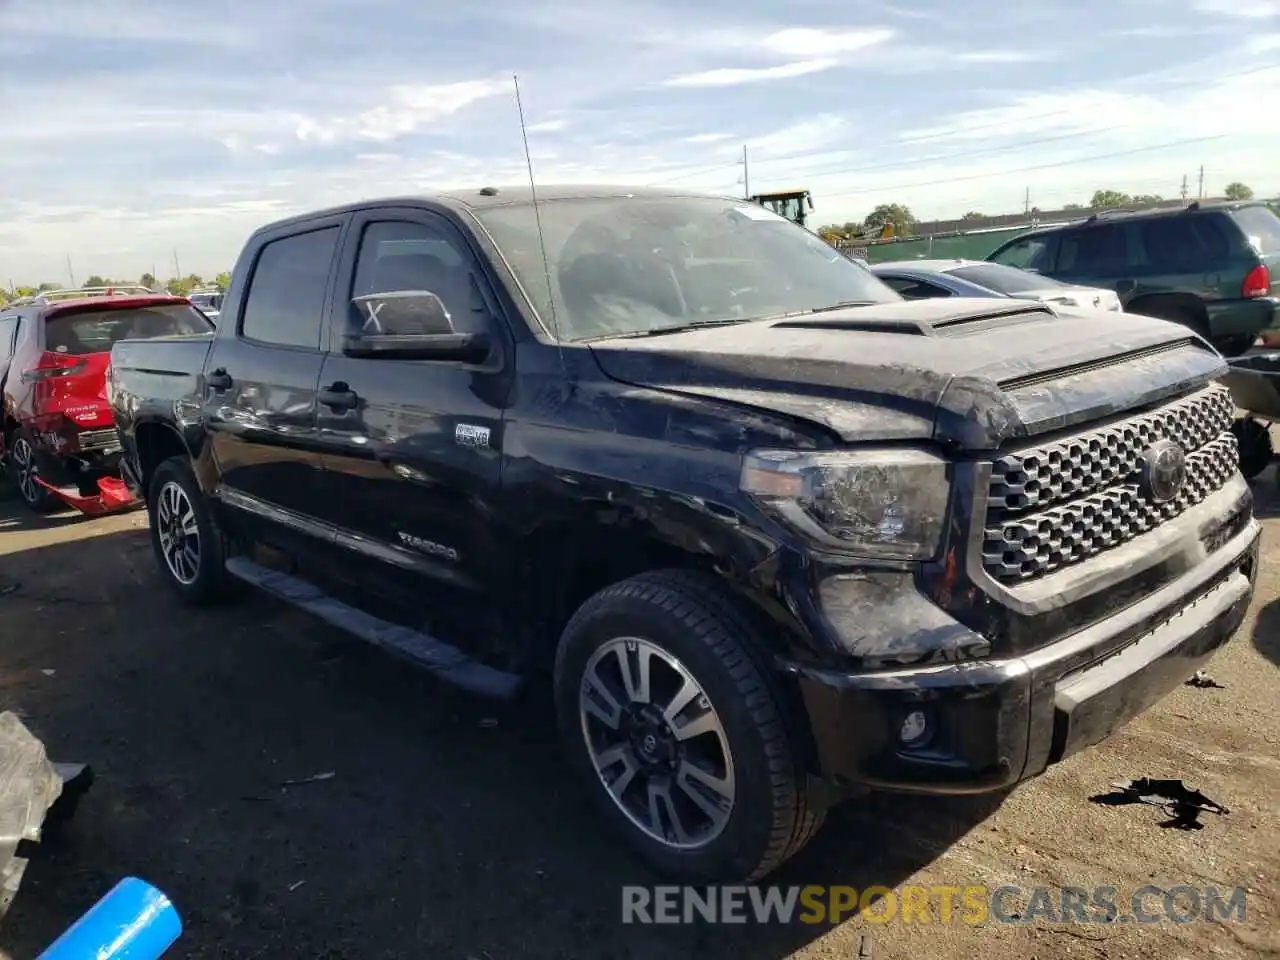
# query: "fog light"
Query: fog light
916,729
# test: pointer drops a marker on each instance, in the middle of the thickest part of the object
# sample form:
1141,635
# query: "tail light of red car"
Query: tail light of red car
1257,283
52,365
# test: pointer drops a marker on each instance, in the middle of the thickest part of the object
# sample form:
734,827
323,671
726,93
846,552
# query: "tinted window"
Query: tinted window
623,265
915,289
1002,279
1261,227
403,255
1028,253
1093,251
1186,242
286,295
95,330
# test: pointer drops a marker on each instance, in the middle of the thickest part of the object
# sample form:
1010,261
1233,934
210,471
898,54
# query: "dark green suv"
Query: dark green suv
1212,266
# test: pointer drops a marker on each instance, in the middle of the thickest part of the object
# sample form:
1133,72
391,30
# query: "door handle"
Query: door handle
220,379
338,396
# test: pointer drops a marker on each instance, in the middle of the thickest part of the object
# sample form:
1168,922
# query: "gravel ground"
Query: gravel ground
450,830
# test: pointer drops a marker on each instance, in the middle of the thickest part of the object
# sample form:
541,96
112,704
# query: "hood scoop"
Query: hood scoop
926,318
854,325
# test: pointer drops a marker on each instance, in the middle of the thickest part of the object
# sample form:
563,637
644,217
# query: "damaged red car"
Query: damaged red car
59,440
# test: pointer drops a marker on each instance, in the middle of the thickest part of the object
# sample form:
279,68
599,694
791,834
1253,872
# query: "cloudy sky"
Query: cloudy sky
134,127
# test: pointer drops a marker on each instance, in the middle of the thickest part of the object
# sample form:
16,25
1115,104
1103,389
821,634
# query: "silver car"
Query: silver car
918,279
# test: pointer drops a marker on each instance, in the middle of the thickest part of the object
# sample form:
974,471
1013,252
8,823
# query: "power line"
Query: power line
951,134
1040,166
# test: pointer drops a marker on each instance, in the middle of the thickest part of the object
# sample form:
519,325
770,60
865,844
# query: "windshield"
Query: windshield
1002,279
94,331
1261,226
626,265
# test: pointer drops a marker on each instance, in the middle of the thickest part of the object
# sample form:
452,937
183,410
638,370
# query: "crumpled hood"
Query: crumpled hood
969,373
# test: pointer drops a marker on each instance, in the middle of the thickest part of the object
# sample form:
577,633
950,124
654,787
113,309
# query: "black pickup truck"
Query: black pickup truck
774,535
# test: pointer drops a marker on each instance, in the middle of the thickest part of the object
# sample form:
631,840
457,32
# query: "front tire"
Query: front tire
686,747
23,463
190,547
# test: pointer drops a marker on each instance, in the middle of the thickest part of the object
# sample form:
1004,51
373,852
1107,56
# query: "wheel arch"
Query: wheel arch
562,562
155,442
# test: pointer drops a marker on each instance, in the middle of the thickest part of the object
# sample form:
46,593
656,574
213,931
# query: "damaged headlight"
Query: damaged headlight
884,504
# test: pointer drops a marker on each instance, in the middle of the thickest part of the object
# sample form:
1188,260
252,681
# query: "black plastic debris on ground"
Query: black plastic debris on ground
1202,679
1180,803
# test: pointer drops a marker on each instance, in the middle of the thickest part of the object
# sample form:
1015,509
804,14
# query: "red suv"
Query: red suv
54,352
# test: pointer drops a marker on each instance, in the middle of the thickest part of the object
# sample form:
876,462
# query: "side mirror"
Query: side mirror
410,325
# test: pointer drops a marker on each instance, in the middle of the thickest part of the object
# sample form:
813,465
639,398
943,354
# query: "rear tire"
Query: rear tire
23,464
190,547
727,803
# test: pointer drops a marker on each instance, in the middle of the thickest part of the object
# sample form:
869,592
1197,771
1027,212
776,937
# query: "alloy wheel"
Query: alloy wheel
178,532
657,743
24,465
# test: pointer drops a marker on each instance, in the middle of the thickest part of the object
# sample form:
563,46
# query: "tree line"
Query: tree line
177,286
904,224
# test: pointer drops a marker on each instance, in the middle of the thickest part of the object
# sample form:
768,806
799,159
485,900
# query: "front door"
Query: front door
260,401
412,448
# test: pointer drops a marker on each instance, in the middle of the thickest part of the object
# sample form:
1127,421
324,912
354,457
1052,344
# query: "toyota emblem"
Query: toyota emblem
1163,471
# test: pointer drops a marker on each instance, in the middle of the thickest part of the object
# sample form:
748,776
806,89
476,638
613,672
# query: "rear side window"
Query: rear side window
1184,242
1002,279
8,337
1261,227
95,331
285,304
1093,251
915,289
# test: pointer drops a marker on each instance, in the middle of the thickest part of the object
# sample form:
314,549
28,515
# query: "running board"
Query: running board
447,662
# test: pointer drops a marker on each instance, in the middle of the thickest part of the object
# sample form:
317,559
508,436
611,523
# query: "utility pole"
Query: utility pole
1026,203
1201,181
746,174
70,272
1184,188
177,269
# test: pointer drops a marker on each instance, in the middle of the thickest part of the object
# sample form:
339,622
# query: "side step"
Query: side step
445,661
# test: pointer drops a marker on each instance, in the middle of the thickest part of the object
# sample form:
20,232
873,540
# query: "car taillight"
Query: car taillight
53,365
1257,283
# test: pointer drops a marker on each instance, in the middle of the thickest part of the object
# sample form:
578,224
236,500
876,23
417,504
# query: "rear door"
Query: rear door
413,461
1096,255
261,375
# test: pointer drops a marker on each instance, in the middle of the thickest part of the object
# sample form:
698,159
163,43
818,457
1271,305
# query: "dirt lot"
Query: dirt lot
449,829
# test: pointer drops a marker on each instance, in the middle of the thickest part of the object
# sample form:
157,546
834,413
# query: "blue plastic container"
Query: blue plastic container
134,921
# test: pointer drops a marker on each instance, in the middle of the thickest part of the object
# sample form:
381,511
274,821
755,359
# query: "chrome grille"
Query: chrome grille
1062,502
103,439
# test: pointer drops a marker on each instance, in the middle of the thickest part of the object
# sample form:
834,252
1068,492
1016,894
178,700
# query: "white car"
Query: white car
919,279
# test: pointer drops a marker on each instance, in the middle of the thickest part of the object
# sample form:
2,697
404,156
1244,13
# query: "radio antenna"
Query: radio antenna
537,219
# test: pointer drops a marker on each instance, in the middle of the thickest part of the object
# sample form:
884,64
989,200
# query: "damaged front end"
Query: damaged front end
34,792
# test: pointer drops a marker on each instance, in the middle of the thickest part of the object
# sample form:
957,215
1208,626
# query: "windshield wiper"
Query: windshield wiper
676,328
845,305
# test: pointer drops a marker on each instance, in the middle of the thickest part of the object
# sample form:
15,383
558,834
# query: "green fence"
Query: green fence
969,245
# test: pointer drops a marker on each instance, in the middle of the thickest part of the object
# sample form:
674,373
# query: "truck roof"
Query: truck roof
486,197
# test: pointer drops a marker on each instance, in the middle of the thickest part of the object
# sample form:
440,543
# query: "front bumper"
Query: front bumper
998,721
